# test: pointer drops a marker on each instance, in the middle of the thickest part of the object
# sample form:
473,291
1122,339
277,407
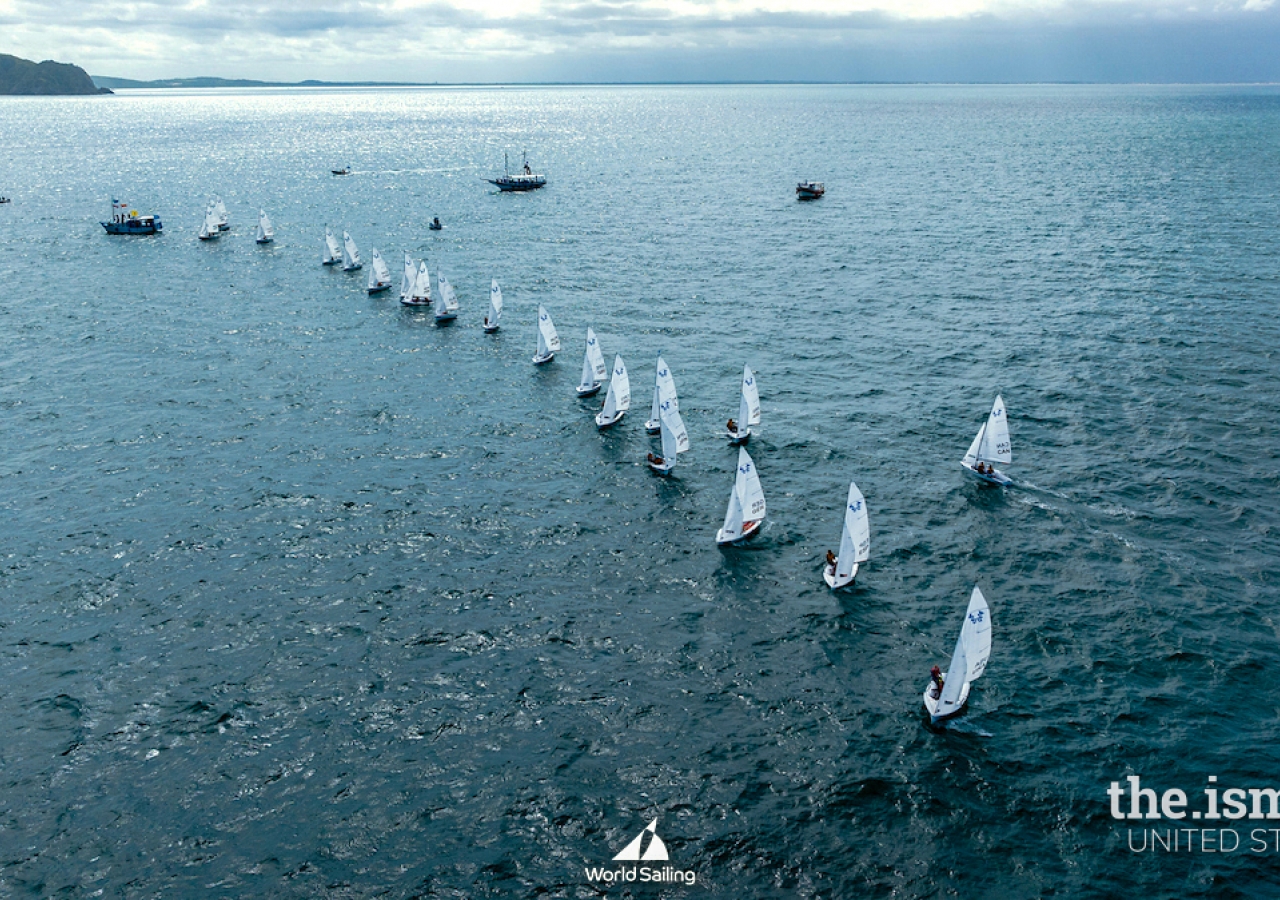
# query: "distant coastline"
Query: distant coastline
105,81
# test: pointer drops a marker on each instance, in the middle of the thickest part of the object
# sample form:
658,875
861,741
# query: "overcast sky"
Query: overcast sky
655,40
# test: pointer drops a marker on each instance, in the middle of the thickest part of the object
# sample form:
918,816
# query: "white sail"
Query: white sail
379,274
548,340
220,213
266,231
495,305
593,370
599,372
618,400
672,431
408,277
732,528
664,387
992,442
209,227
749,409
350,255
748,487
332,249
855,540
421,285
448,296
969,660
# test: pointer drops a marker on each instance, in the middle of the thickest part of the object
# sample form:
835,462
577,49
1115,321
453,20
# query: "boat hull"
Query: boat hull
829,576
663,468
132,227
603,423
589,391
652,426
749,531
446,318
410,301
738,438
379,288
264,240
543,360
518,182
996,477
330,262
355,268
931,702
490,329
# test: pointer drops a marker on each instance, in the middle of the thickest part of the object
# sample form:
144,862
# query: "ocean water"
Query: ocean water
304,596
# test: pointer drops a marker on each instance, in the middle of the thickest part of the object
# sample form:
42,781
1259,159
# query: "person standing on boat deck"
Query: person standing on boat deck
935,676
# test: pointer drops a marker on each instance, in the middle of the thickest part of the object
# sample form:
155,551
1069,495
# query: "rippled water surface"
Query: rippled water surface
303,596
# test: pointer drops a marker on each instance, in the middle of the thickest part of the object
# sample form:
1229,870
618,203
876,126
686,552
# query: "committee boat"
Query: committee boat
524,180
968,661
127,221
810,190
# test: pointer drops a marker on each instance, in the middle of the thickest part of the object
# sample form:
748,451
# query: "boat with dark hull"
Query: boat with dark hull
810,190
127,221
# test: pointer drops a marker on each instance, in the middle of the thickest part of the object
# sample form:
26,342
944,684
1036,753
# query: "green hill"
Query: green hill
22,76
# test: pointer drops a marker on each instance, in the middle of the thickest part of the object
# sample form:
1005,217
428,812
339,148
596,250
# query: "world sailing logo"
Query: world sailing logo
644,847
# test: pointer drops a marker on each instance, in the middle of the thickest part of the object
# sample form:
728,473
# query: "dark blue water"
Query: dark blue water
304,596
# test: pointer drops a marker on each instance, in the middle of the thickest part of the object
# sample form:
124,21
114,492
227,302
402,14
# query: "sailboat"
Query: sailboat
408,278
748,409
447,311
618,400
494,316
968,662
675,438
266,231
664,388
209,227
990,446
747,509
420,293
220,214
379,274
855,542
332,249
350,255
593,369
548,340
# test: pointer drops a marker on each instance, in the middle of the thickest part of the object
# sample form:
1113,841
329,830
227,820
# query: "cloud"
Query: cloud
607,40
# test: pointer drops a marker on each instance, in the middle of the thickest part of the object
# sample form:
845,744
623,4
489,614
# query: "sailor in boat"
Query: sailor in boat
831,562
733,427
527,170
656,460
935,682
435,224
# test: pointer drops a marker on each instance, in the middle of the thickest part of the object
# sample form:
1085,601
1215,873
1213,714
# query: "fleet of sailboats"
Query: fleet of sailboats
593,368
855,542
990,446
379,274
548,340
947,693
447,309
747,508
968,662
618,400
748,409
493,318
